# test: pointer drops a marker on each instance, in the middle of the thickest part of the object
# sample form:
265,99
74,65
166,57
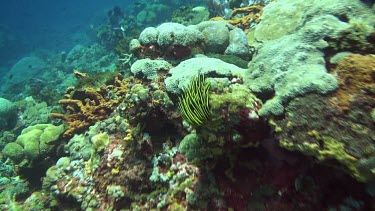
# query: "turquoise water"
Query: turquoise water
187,105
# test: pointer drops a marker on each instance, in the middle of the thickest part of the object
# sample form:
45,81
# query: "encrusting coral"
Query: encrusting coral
355,74
315,127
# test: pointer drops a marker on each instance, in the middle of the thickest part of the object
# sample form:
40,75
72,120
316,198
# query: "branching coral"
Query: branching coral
249,15
194,103
90,105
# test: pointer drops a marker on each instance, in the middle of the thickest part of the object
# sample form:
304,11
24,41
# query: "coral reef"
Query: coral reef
231,59
177,130
32,112
218,8
295,14
15,188
190,15
92,58
169,39
357,38
233,123
152,13
220,37
114,149
94,81
252,2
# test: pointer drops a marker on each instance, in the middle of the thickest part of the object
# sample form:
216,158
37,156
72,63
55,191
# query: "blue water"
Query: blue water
49,25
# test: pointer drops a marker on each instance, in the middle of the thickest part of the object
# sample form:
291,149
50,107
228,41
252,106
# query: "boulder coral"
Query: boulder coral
286,17
168,34
35,142
174,41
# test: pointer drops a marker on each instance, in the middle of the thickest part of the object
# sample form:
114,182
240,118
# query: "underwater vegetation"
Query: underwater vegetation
194,104
270,105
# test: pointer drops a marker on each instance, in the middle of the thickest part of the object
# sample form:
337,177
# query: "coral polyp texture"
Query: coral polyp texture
355,74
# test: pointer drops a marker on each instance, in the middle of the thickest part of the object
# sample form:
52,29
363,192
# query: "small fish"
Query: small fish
122,28
198,9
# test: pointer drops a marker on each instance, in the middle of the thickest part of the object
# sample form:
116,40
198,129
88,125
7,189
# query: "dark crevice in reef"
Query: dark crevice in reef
283,180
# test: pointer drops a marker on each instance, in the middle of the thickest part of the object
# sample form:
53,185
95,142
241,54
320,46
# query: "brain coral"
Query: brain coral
34,142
